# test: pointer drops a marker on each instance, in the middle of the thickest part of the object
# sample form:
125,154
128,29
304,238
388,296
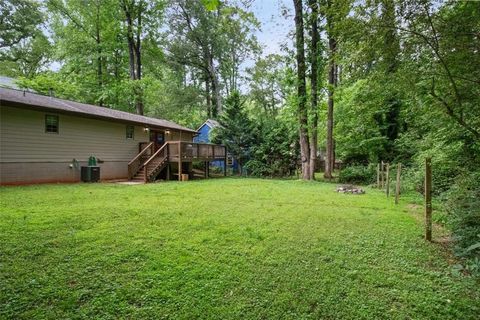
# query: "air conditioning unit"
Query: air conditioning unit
90,174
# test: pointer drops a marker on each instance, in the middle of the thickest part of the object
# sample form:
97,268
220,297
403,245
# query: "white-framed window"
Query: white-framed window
130,132
51,123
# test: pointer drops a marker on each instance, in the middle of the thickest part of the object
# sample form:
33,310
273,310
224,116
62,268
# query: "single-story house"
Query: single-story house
46,139
204,136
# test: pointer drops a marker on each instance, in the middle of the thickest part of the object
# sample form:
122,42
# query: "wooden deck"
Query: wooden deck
149,162
195,151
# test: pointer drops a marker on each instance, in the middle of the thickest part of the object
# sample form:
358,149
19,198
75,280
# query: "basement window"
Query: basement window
130,132
51,123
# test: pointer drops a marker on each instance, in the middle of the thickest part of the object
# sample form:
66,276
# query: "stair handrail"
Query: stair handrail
155,154
132,168
141,153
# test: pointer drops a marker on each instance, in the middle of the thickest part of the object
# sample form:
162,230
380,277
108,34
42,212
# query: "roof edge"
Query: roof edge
84,113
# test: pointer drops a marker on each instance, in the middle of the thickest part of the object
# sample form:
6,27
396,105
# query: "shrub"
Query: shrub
274,153
463,207
358,175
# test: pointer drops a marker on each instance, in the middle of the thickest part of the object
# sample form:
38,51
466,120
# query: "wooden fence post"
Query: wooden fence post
428,199
387,181
378,175
397,185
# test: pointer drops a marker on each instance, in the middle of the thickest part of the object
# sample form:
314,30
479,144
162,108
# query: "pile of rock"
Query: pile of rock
350,189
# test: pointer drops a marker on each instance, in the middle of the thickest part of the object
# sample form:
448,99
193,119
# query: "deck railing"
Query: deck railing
191,151
150,162
137,162
155,163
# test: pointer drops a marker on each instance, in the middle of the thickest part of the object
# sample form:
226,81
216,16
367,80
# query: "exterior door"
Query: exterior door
158,137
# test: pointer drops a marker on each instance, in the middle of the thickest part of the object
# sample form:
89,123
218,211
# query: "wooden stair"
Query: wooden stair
148,170
140,176
154,168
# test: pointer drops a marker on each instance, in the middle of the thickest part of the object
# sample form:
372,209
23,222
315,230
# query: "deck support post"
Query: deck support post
225,163
179,160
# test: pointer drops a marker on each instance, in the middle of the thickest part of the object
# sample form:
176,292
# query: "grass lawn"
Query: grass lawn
222,249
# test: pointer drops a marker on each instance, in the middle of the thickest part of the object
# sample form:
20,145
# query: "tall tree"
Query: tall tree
314,56
19,20
332,82
236,131
86,20
194,42
215,42
24,49
238,42
265,83
302,90
27,58
389,120
134,11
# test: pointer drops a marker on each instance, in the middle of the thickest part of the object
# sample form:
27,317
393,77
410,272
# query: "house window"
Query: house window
130,131
51,123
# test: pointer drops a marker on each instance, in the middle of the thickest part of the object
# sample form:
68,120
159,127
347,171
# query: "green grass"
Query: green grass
220,249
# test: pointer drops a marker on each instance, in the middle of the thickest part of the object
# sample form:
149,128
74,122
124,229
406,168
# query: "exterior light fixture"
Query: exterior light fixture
146,129
167,131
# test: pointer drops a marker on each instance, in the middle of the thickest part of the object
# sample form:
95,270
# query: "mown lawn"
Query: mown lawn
220,249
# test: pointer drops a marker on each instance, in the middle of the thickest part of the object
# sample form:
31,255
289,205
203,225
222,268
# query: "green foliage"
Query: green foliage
211,4
463,206
236,131
275,151
19,21
171,99
265,79
24,49
28,58
421,101
359,137
50,83
358,174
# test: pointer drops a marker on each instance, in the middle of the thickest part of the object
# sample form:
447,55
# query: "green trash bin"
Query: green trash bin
92,161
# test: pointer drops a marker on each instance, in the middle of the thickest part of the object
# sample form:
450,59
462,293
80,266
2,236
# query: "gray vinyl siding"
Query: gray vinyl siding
23,138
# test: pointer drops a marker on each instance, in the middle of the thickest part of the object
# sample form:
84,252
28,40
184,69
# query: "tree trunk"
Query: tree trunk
99,65
215,87
313,80
302,91
332,44
138,55
134,52
131,45
208,96
99,53
390,57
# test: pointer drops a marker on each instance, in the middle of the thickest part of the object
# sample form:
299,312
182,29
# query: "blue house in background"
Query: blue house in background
204,137
204,131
